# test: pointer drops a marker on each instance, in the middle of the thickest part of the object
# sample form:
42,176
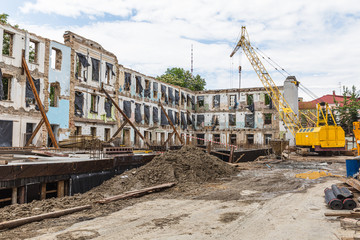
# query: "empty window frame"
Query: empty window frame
54,94
33,51
108,74
232,101
267,99
95,69
232,138
78,130
94,103
155,90
93,131
8,42
78,69
200,101
6,85
215,120
250,138
232,119
200,139
139,88
249,99
267,118
216,137
56,58
267,138
107,134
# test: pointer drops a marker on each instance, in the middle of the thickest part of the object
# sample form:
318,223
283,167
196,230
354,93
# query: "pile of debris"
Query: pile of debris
189,164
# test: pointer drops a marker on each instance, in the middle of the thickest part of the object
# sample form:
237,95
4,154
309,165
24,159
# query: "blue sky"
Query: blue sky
314,40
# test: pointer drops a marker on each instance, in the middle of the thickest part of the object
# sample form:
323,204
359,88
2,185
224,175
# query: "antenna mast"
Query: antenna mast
192,60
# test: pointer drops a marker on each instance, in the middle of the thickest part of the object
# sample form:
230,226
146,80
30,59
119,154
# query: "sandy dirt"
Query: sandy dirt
210,201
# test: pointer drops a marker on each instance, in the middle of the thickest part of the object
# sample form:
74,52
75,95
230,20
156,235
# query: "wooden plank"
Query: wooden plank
124,115
60,189
39,103
354,183
22,195
38,126
347,214
136,193
43,191
14,196
169,137
170,122
118,131
231,154
22,221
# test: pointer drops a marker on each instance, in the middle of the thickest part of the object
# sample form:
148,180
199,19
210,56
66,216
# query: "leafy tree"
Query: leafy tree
348,109
182,78
4,18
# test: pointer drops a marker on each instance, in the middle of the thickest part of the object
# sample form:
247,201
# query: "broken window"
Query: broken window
267,138
6,133
79,103
54,94
268,101
188,99
250,138
216,137
183,98
163,94
78,131
177,97
5,87
177,118
193,102
93,131
232,102
164,120
146,114
232,139
200,139
267,118
216,101
108,107
200,120
109,72
200,101
249,120
155,90
249,99
155,115
138,117
81,62
127,108
147,91
232,119
33,51
171,95
56,58
183,121
95,69
127,83
8,42
215,120
29,95
94,103
107,134
171,116
139,88
28,131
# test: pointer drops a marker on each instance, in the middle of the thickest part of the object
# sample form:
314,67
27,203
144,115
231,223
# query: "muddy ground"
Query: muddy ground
210,200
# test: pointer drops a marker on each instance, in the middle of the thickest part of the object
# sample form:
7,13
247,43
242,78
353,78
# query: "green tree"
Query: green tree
348,109
182,78
4,18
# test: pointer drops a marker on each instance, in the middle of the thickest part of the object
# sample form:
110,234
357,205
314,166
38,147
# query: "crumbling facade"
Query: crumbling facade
71,76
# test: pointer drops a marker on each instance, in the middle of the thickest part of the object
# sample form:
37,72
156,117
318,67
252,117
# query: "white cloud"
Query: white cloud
314,40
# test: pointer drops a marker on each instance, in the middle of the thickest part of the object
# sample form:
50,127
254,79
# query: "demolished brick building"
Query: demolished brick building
69,77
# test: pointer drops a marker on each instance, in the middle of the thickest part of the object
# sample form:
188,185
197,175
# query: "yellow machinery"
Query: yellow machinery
326,136
356,131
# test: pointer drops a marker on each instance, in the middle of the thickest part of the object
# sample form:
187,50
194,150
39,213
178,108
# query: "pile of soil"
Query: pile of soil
189,164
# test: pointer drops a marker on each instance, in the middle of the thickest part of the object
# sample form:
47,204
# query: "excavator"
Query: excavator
325,136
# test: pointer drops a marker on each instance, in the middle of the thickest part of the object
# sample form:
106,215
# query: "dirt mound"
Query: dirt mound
189,164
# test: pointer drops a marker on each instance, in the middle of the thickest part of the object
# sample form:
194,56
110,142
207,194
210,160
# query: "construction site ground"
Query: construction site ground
258,200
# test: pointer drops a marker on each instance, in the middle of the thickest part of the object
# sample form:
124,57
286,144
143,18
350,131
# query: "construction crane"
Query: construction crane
326,136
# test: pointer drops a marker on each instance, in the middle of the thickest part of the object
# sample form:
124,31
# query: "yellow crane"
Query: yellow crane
356,131
326,136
